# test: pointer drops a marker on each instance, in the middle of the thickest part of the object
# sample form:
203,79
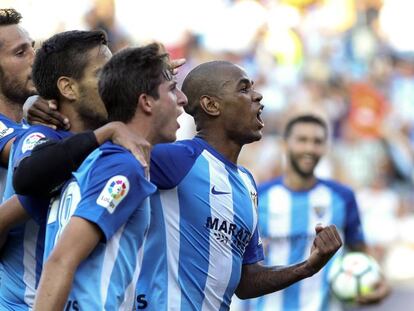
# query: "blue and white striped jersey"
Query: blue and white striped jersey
8,130
22,255
111,191
287,221
203,229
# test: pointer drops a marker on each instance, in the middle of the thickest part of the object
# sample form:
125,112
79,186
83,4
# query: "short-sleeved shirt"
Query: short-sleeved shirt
287,221
111,191
8,130
203,229
22,254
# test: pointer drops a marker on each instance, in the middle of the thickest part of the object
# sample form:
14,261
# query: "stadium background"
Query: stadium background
351,61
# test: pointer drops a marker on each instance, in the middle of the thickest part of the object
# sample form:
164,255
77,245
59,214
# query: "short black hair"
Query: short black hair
305,118
9,17
130,73
64,54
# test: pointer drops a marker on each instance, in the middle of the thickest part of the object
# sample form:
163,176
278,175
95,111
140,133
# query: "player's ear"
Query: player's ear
68,88
210,105
145,103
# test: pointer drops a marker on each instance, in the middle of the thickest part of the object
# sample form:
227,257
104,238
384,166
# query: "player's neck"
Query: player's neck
297,182
79,122
226,147
12,110
142,126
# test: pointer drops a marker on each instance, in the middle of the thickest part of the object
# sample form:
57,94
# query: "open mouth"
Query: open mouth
309,160
259,117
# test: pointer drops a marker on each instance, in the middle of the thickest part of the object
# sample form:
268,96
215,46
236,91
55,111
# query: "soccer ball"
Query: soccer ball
355,274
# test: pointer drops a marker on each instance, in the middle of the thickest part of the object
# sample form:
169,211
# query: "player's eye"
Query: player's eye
245,89
173,86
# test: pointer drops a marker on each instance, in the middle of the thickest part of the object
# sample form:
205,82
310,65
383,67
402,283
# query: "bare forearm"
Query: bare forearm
54,287
258,280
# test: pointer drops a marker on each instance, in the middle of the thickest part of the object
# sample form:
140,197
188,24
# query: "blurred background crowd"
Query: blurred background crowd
351,61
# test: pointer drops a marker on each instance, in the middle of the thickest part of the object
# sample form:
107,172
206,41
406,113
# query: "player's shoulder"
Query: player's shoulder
267,185
45,131
113,154
5,121
9,128
182,148
38,134
337,187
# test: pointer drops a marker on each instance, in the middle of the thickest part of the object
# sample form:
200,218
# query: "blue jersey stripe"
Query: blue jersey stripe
243,214
189,275
148,297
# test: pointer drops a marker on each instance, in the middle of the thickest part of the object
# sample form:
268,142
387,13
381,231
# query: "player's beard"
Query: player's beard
14,90
90,118
296,167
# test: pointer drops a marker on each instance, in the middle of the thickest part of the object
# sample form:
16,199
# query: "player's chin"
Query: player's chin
169,137
306,173
257,135
254,136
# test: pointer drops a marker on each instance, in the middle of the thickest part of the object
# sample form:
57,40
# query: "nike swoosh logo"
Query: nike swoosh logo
214,191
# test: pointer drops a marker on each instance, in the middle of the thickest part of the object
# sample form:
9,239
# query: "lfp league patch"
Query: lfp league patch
115,190
31,141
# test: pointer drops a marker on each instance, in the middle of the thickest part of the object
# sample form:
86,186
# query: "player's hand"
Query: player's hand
326,243
175,64
37,110
137,145
382,290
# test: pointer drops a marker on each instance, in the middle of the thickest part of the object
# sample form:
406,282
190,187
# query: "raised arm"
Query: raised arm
258,280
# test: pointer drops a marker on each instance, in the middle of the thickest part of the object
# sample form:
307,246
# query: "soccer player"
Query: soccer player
16,58
203,240
203,244
65,69
103,213
289,208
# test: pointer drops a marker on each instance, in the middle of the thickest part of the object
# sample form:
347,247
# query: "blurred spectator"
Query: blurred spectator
102,16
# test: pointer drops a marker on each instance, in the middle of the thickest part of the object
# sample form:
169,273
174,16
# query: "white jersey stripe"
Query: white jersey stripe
129,298
111,253
279,224
29,261
319,199
171,211
220,258
252,189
